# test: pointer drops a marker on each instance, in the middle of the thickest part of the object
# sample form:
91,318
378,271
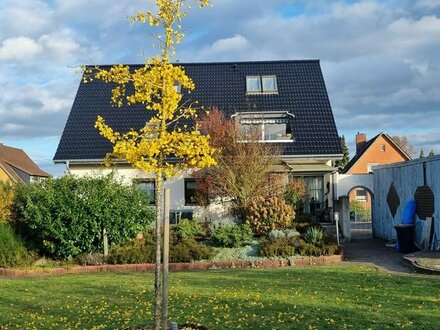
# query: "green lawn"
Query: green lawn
335,297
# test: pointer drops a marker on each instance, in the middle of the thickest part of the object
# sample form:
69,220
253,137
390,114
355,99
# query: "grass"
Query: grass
336,297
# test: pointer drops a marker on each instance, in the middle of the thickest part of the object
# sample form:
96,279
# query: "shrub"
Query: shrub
143,251
65,217
295,191
227,221
309,250
302,227
287,233
279,247
13,252
314,235
134,252
190,250
188,229
248,252
266,214
91,259
291,233
6,196
304,217
232,235
359,211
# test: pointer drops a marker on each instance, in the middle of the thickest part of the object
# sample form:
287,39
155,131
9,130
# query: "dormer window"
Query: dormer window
178,87
261,85
253,84
265,127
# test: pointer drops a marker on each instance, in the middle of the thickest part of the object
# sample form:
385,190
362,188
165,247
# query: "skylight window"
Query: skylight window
261,85
253,84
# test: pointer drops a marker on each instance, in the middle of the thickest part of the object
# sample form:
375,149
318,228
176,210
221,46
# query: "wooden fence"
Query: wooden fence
407,178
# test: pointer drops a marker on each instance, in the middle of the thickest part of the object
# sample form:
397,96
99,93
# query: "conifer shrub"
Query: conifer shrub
13,252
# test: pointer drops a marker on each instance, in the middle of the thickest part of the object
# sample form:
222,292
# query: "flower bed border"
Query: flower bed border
268,263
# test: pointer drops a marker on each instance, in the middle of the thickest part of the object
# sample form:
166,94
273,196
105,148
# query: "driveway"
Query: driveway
374,252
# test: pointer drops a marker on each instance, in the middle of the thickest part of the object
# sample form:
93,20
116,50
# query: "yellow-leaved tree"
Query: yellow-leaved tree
163,146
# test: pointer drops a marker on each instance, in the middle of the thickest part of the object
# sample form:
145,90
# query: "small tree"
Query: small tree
431,153
6,197
295,191
345,155
162,146
243,169
422,153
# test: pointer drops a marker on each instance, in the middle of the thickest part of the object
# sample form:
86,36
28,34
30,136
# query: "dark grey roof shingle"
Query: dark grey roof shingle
301,91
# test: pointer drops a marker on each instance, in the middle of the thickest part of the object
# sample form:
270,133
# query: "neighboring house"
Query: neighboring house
286,100
380,150
16,166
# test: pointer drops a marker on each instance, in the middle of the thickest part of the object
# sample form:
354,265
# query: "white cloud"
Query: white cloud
25,17
235,43
19,49
59,45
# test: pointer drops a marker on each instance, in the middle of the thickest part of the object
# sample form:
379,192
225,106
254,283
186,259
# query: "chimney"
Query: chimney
361,139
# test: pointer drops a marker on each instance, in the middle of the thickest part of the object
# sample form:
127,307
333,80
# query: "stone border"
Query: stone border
268,263
419,268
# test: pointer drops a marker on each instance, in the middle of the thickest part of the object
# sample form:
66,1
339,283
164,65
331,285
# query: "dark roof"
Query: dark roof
17,164
301,91
367,146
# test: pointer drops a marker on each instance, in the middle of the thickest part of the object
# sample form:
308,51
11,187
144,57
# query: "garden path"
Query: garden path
374,252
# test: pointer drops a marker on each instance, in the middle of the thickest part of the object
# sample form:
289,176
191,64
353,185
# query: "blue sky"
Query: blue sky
380,59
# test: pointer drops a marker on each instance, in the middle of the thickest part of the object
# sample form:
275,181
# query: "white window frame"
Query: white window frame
382,147
275,91
261,90
255,118
361,198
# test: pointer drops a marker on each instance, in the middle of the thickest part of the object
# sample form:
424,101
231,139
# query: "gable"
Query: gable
301,91
17,165
380,150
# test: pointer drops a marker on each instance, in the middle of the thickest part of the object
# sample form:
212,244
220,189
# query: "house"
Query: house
286,100
16,166
379,150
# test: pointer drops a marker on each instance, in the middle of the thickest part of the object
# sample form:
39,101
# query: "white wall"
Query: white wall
346,182
176,186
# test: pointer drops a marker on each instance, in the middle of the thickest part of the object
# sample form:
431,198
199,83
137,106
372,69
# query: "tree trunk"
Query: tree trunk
166,252
157,282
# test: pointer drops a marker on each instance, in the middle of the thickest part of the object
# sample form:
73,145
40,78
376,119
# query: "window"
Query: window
261,84
370,167
382,147
190,192
269,84
266,129
149,187
315,192
177,87
253,84
361,195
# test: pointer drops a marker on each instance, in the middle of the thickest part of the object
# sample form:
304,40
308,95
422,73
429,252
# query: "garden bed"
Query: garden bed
266,263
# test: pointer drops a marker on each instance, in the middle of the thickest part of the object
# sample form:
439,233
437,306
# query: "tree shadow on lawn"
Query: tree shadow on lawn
328,297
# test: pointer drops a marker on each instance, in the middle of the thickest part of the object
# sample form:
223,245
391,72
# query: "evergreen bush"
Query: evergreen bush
13,252
65,217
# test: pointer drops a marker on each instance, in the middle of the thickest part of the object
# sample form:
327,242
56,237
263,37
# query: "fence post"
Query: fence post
105,236
345,217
